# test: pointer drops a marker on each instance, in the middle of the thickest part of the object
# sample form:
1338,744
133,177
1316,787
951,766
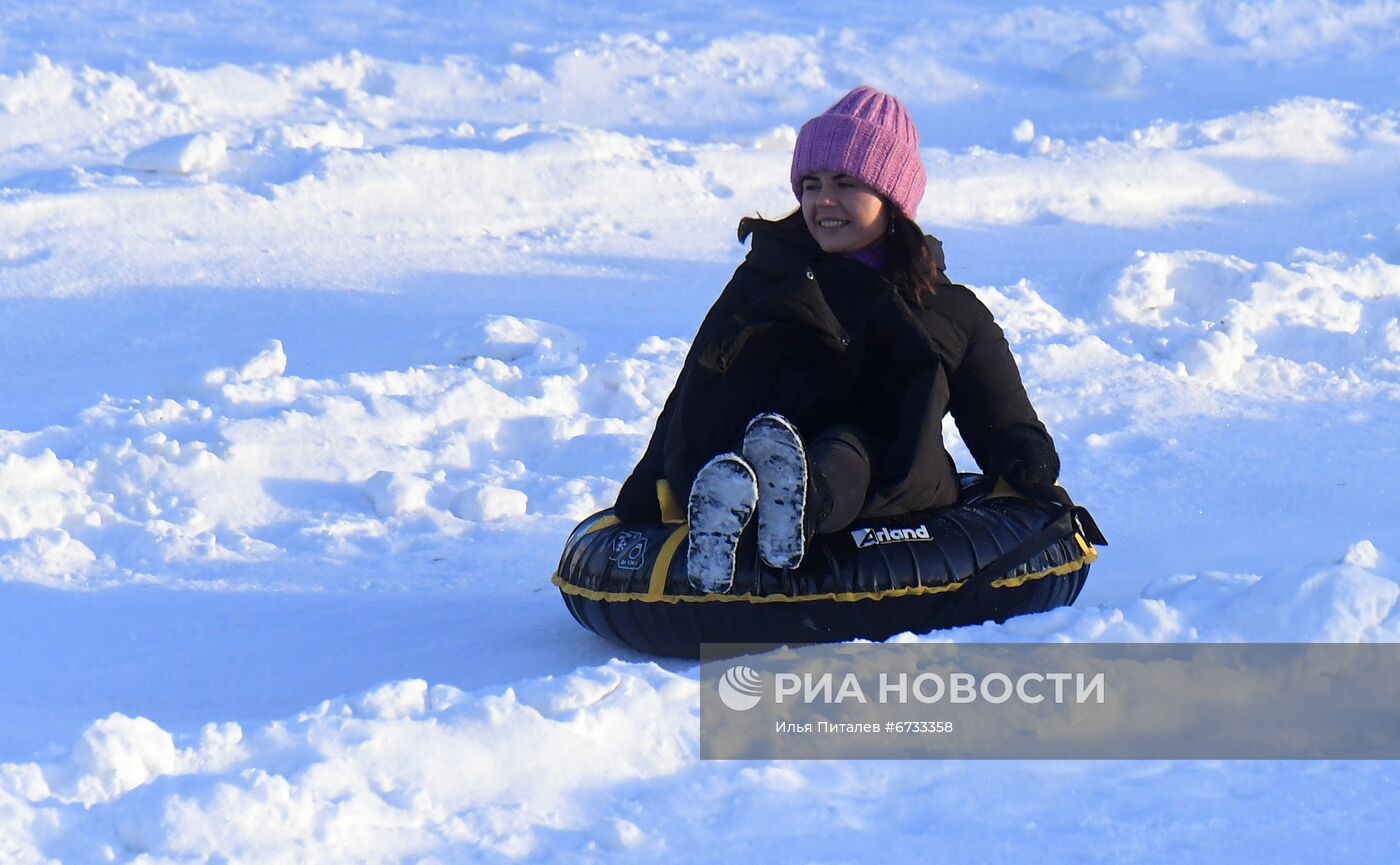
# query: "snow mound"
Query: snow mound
40,493
394,493
490,503
50,558
526,341
199,153
257,469
269,363
396,773
119,754
1267,327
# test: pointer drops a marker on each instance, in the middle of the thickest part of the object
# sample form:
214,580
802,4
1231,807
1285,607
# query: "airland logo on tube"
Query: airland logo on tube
873,537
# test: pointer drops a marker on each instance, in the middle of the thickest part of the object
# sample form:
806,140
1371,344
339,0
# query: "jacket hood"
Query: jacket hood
781,247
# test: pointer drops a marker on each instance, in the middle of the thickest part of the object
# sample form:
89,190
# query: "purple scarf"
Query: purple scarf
874,257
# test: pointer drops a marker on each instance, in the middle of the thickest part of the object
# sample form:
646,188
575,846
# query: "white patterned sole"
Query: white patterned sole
774,448
722,501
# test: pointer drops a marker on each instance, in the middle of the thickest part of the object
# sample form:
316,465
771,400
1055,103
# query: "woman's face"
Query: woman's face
843,214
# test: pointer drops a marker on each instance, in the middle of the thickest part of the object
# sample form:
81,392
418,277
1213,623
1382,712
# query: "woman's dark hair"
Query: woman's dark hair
915,272
911,267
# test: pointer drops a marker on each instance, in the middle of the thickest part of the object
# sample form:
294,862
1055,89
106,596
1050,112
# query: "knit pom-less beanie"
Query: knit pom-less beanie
869,136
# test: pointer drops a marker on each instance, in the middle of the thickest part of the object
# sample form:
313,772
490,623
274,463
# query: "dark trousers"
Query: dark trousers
839,478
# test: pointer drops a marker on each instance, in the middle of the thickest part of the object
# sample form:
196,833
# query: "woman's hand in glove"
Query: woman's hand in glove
1028,462
637,502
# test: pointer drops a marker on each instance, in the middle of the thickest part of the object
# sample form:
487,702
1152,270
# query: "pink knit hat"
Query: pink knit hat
869,136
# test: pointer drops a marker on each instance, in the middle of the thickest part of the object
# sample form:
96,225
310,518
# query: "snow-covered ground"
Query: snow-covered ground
322,323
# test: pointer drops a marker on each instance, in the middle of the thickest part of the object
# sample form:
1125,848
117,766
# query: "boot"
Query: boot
774,449
722,501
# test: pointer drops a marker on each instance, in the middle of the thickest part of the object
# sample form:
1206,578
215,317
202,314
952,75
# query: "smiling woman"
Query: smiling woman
843,214
814,392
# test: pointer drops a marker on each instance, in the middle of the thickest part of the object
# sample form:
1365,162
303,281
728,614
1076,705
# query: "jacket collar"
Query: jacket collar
784,247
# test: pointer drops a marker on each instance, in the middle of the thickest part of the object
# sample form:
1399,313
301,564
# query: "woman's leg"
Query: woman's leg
840,478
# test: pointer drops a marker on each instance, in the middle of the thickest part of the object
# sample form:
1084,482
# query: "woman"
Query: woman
815,388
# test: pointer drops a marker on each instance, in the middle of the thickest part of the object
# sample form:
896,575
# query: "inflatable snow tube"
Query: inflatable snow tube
993,556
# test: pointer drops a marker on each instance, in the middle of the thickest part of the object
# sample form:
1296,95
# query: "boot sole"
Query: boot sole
722,501
774,448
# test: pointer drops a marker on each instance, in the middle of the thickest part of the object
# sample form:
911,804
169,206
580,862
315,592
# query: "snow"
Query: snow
321,325
183,154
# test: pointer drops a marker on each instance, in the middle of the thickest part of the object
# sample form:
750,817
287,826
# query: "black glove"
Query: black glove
1028,461
636,501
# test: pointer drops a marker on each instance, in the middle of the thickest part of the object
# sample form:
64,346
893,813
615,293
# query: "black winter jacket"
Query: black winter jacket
823,340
